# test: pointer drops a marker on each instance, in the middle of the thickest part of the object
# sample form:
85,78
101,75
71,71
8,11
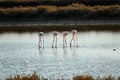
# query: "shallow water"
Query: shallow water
19,54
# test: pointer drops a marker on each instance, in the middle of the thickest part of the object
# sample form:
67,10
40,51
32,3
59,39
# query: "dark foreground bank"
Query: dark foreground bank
81,77
103,25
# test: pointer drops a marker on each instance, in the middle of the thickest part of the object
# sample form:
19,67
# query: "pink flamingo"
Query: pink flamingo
65,33
74,37
55,38
41,39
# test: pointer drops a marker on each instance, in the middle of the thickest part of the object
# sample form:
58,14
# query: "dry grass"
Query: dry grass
56,2
28,77
81,77
70,11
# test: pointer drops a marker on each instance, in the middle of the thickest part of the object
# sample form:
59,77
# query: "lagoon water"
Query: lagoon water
19,55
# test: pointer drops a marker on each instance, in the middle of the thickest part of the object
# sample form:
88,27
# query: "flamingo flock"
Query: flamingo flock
74,39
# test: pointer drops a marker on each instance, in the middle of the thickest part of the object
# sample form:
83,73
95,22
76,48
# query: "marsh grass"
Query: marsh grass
74,11
27,77
81,77
13,3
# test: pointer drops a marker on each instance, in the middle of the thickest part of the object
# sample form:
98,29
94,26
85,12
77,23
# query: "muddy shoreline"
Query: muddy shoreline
19,26
58,23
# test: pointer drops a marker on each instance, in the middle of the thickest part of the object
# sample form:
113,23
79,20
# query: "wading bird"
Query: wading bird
55,38
41,39
65,33
74,38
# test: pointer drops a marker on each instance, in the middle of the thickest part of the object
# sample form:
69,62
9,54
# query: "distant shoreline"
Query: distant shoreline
58,23
83,25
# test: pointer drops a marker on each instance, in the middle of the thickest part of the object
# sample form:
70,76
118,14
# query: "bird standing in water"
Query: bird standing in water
65,33
41,39
74,38
55,38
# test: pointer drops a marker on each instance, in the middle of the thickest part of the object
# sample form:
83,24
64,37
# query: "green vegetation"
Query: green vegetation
74,11
81,77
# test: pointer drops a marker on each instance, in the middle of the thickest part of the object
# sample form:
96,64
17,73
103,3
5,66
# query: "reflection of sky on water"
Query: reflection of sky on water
19,54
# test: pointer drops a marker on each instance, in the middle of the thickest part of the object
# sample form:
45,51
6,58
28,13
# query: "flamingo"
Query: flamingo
74,37
65,33
41,38
55,38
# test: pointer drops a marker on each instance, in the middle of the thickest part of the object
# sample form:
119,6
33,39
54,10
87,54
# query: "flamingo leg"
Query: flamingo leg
56,42
71,42
53,42
43,41
76,40
65,42
39,42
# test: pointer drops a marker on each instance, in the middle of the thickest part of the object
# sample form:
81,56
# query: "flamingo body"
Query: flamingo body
41,34
65,33
55,33
74,32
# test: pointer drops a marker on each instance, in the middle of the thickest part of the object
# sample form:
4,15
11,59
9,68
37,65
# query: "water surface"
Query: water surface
19,54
